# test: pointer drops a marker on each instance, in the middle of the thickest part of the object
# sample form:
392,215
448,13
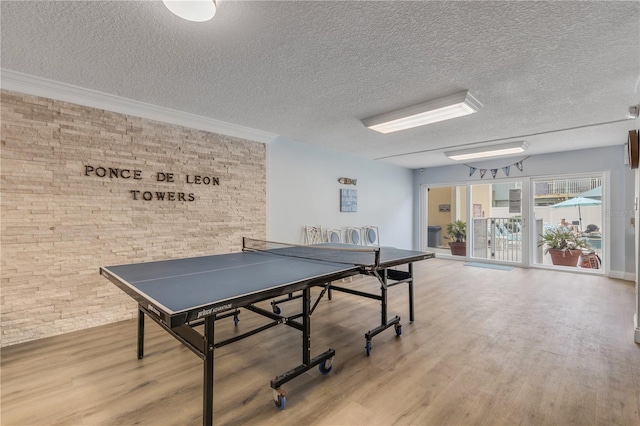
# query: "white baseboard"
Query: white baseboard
622,275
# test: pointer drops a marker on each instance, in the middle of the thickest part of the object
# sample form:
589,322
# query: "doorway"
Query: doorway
445,207
573,205
498,225
489,215
506,221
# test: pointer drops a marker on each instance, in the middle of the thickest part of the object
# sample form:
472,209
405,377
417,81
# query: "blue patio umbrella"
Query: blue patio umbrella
578,202
595,193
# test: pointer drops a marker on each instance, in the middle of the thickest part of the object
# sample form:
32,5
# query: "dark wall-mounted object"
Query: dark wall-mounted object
634,149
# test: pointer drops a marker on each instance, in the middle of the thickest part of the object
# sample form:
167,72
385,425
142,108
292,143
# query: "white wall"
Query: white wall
303,189
619,206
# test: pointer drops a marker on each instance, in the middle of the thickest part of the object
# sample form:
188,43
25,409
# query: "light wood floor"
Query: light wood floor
488,347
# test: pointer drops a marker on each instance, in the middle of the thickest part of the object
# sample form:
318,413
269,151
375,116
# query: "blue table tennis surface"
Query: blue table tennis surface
179,285
181,295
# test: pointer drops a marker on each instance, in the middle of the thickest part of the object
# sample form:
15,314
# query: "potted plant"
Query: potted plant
564,246
458,235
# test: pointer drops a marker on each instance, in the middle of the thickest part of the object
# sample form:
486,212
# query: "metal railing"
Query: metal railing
567,186
497,238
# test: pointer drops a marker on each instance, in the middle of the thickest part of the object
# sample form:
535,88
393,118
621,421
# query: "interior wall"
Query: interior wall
81,189
304,190
618,207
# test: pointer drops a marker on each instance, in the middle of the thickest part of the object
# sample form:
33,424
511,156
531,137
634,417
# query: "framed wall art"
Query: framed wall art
348,200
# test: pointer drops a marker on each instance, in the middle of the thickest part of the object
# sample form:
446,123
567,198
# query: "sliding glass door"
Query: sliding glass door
479,221
446,208
497,222
569,209
519,222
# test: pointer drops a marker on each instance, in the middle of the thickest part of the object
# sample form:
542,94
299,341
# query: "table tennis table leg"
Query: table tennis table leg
411,316
207,394
383,290
384,322
140,333
324,360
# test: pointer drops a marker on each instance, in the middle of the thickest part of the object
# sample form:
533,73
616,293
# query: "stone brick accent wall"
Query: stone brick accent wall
65,213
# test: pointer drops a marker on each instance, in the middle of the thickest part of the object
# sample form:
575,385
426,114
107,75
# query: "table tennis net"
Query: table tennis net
334,253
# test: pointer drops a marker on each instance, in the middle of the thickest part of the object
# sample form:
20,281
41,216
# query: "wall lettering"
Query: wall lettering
116,173
165,177
112,172
162,196
202,180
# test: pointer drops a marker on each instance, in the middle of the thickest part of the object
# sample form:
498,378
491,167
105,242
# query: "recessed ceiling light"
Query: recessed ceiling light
488,151
456,105
192,10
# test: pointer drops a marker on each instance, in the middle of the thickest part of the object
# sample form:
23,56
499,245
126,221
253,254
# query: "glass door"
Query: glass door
568,220
497,222
446,224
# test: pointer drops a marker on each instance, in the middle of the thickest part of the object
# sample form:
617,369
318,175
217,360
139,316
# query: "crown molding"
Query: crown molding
37,86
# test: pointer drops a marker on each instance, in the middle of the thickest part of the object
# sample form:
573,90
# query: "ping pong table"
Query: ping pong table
181,295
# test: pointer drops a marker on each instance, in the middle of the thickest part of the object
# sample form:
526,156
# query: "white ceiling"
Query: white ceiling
310,71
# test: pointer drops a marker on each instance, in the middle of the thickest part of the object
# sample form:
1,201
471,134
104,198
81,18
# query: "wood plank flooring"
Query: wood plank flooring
488,347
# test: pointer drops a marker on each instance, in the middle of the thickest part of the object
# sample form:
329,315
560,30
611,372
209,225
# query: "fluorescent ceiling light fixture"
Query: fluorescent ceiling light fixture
452,106
192,10
488,151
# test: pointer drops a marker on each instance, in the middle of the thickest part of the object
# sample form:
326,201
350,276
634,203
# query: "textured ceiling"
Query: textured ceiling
310,71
